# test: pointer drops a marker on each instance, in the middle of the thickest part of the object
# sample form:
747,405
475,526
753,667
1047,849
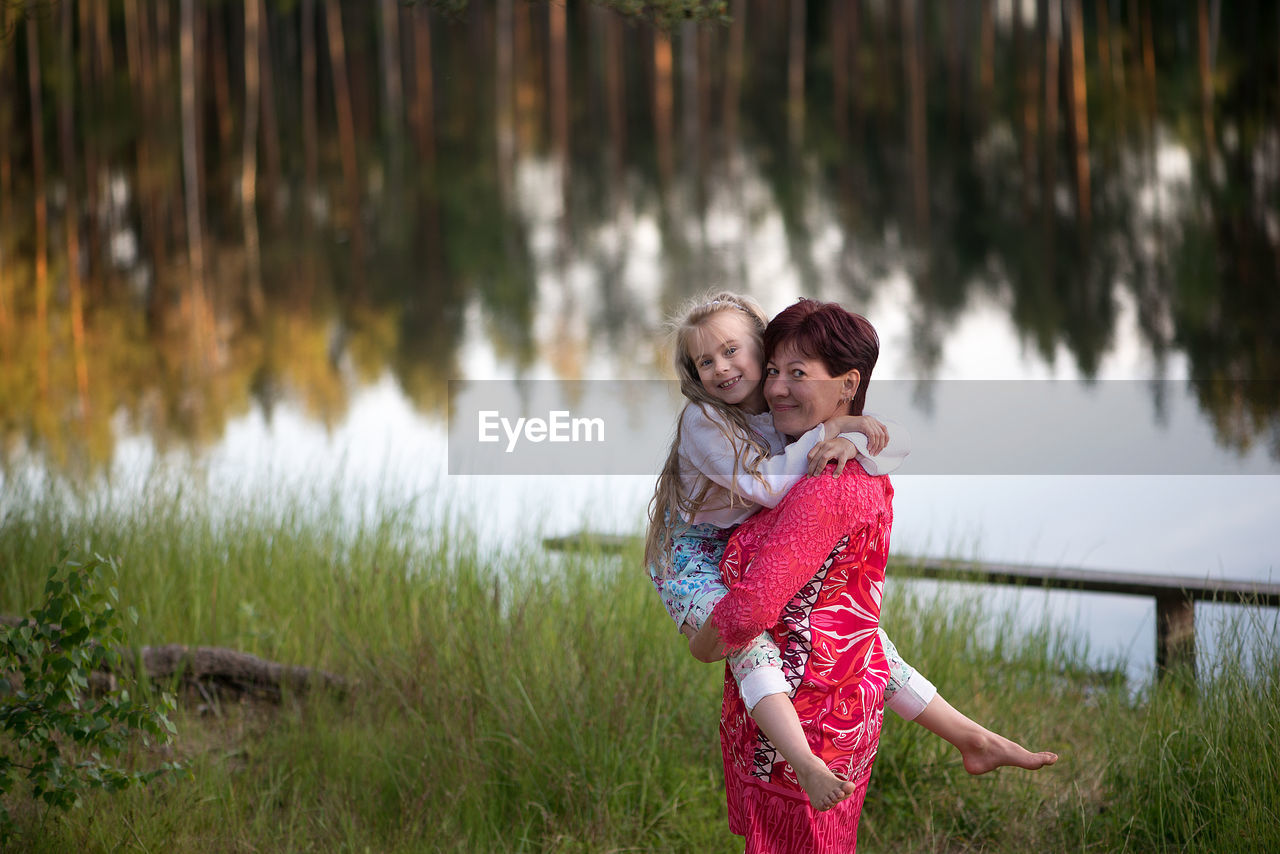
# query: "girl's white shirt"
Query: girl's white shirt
707,453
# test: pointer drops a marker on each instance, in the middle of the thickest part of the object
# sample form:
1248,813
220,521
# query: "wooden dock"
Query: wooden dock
1175,595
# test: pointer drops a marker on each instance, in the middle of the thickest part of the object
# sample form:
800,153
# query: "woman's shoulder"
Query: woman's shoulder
854,493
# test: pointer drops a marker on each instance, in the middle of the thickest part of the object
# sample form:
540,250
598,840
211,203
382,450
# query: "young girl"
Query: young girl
726,462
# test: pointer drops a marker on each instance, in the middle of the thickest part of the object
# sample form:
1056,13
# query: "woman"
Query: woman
816,574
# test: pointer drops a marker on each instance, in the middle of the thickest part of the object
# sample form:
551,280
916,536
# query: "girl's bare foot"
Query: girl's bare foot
982,749
820,783
776,717
985,751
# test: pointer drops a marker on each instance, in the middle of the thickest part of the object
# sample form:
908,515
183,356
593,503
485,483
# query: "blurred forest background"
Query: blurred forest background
207,206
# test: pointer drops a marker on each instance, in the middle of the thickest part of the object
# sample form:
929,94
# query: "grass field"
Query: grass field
525,701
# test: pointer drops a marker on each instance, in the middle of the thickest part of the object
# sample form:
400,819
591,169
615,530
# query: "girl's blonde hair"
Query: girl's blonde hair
669,501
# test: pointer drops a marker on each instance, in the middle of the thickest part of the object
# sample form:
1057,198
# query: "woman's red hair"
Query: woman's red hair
841,340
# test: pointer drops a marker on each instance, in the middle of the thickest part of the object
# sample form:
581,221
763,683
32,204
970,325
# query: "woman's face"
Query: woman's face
801,393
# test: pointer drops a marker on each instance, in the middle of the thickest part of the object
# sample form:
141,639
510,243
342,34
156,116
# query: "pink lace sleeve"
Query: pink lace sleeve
793,541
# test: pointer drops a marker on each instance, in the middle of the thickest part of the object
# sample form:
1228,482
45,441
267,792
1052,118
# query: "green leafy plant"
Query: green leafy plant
66,712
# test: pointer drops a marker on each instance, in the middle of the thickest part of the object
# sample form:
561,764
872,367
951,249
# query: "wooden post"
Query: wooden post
1175,632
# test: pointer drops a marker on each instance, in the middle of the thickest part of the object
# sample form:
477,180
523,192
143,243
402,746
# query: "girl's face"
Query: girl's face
725,351
801,393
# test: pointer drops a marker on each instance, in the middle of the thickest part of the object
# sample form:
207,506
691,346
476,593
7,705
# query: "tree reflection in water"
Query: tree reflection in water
207,207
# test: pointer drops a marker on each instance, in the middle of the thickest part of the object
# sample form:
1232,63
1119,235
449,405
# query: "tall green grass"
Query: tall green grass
1201,760
518,701
523,701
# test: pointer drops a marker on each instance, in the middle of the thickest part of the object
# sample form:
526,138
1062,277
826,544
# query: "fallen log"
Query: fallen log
218,671
229,671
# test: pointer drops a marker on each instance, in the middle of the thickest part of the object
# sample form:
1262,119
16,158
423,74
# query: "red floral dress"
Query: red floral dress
812,570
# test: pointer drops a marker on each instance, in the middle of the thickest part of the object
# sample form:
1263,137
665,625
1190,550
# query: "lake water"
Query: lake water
1061,217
